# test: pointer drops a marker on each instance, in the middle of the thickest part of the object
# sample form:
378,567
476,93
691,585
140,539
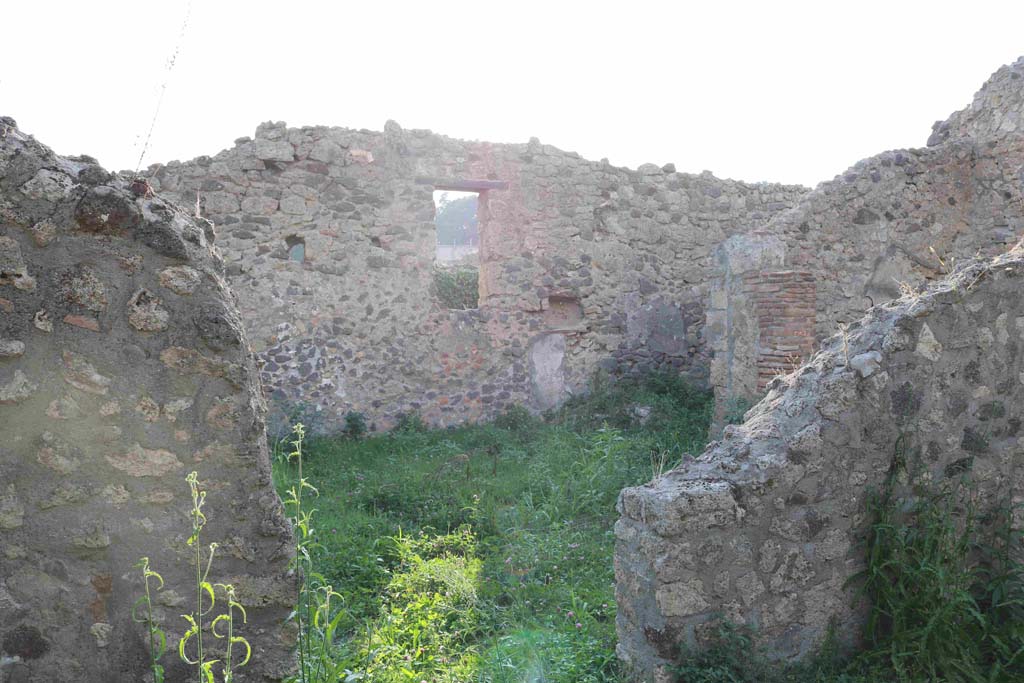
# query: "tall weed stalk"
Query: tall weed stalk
203,588
157,637
232,640
945,588
142,609
316,618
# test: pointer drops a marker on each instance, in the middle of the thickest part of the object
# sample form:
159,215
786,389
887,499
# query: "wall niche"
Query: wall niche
563,311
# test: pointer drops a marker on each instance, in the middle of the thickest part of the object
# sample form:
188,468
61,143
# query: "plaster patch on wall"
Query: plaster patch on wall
547,374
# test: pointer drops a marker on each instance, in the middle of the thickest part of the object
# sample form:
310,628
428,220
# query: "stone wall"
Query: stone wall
762,528
123,365
619,264
895,221
583,265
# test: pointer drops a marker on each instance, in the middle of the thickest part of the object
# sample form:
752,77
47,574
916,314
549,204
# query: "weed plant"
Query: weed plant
411,422
946,588
355,425
483,554
156,636
678,410
317,613
205,594
232,640
731,657
287,412
203,587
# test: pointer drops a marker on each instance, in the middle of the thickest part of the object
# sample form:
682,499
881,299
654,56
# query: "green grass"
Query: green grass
945,582
484,553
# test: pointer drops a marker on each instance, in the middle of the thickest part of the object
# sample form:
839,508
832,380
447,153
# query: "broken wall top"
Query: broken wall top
997,110
905,216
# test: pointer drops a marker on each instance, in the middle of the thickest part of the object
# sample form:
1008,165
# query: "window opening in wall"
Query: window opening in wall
456,267
296,248
455,217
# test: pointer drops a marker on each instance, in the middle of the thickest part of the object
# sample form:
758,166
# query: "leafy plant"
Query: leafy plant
232,639
355,425
288,412
735,408
676,423
457,288
411,423
944,584
429,618
515,418
204,589
732,657
483,553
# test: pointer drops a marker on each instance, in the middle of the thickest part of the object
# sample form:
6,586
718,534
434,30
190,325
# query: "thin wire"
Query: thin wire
163,87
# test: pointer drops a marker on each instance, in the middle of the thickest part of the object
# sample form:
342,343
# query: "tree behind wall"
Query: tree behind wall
456,220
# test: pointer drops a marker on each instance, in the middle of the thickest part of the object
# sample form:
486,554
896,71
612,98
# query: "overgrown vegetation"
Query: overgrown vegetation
484,553
945,582
735,408
457,287
732,657
944,588
316,618
661,409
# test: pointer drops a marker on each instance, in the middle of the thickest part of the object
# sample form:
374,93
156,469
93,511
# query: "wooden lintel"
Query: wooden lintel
462,184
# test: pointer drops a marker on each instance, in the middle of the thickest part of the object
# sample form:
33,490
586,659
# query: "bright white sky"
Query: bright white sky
780,91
